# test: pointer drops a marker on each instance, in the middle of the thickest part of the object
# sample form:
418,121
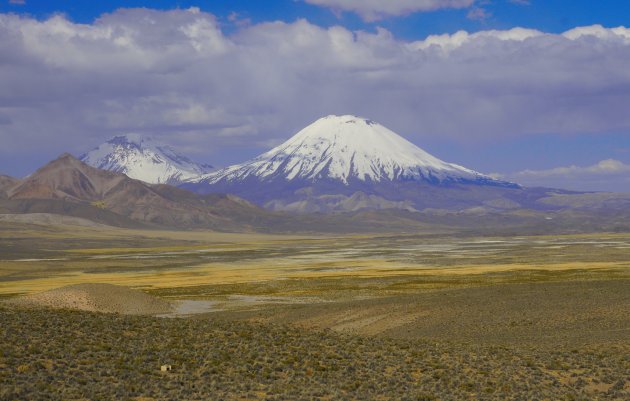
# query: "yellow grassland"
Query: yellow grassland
207,258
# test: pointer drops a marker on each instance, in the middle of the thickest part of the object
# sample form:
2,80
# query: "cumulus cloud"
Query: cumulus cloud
372,10
176,75
607,175
448,42
599,32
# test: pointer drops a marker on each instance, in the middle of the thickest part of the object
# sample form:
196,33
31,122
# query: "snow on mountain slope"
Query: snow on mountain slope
143,159
346,148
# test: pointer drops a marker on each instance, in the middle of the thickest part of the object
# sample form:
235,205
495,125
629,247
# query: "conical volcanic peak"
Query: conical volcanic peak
346,149
144,159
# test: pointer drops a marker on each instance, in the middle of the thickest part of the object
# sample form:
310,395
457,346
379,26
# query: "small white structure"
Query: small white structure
166,368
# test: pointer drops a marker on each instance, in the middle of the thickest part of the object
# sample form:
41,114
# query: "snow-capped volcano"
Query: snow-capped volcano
346,148
144,159
351,163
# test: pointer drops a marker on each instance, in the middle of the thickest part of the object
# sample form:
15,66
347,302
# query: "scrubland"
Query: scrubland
418,317
81,355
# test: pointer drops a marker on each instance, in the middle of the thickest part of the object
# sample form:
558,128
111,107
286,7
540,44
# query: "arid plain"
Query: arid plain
443,316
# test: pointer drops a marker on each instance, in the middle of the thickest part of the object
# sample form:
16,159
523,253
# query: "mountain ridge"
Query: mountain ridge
6,183
69,186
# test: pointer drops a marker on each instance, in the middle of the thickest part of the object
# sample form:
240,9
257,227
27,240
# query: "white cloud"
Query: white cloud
458,39
608,166
176,74
606,175
599,32
478,14
372,10
238,20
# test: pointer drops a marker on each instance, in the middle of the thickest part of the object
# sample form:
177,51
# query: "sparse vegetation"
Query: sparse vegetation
80,355
185,264
311,318
99,204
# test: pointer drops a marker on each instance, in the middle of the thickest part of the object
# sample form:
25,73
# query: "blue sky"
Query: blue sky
546,15
543,105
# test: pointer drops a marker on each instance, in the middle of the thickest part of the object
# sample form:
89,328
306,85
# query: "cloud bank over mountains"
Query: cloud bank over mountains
177,74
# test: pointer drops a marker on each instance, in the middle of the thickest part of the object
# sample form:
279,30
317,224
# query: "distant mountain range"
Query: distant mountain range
67,187
145,159
70,187
68,191
341,174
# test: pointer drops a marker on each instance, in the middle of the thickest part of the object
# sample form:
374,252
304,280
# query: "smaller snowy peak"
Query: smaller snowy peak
143,158
347,148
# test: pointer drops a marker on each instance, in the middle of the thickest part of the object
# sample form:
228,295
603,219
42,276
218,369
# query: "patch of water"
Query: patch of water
187,307
267,299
